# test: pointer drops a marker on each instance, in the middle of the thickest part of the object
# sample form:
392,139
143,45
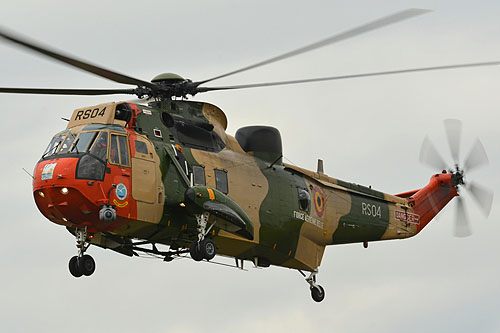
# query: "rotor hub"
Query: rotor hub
167,77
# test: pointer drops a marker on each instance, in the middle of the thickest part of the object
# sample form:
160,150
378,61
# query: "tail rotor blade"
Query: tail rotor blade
430,156
462,227
476,158
482,196
453,133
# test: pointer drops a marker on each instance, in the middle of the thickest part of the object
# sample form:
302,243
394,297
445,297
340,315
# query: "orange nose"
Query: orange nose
68,201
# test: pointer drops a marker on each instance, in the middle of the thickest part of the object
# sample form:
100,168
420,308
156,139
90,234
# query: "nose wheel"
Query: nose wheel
82,264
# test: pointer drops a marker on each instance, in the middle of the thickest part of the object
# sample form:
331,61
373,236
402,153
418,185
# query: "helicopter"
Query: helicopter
127,176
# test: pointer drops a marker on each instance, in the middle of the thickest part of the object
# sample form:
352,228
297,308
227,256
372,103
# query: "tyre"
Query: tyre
207,249
86,265
317,293
195,252
73,267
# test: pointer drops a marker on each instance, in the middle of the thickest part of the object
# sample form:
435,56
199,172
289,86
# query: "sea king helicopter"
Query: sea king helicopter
128,176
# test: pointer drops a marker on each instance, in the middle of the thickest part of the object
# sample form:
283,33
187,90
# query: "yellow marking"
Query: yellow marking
121,205
169,223
211,194
274,247
290,252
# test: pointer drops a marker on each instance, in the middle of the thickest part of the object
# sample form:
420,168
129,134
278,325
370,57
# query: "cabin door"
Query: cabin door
147,188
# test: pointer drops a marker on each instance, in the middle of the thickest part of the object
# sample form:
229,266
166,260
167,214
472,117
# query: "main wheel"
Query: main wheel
194,251
73,267
207,249
317,293
86,265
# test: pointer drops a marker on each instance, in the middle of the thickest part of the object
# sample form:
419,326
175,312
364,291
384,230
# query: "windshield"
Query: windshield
83,142
68,143
53,145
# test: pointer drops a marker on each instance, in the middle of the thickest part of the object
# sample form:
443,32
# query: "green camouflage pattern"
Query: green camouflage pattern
265,196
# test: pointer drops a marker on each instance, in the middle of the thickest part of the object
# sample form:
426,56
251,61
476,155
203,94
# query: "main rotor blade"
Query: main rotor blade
382,22
453,133
49,91
462,228
430,156
476,158
105,73
482,196
352,76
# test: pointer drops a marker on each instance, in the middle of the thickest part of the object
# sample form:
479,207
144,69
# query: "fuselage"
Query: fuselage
141,159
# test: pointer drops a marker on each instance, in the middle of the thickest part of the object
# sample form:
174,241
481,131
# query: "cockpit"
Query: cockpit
94,145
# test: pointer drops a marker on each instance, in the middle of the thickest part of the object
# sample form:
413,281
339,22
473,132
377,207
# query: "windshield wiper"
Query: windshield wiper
52,150
75,145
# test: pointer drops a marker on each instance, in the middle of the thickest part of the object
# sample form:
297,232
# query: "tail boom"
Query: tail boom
430,200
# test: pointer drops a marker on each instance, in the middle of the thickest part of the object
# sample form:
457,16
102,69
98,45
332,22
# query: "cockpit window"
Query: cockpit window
114,157
83,142
53,145
66,145
98,143
118,153
122,141
100,147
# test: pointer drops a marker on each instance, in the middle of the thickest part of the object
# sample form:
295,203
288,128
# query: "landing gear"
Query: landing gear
204,248
83,264
194,251
86,265
207,248
73,267
317,291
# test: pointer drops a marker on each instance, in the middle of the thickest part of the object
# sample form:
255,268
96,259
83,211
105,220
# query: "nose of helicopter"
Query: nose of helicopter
68,201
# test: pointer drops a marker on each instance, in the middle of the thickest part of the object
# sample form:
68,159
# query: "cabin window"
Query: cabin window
141,147
304,200
118,153
197,135
221,180
198,175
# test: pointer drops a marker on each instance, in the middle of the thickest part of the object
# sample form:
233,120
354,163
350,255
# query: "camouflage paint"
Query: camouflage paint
283,233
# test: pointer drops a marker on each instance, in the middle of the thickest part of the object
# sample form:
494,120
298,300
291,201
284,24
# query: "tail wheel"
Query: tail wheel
73,267
317,293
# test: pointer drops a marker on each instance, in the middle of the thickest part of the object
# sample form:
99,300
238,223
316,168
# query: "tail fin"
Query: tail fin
430,200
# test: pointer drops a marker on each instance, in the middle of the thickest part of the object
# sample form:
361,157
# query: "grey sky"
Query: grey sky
367,131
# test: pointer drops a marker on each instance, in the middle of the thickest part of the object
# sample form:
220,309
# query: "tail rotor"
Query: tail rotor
476,158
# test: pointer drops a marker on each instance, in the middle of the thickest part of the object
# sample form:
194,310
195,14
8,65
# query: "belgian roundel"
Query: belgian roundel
319,201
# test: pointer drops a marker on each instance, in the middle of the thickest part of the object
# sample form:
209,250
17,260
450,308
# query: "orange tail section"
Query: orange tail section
428,201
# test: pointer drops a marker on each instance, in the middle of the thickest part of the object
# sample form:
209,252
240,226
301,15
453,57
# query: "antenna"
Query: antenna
320,166
28,173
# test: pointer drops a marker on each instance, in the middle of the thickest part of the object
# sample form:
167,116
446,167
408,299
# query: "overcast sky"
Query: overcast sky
367,131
